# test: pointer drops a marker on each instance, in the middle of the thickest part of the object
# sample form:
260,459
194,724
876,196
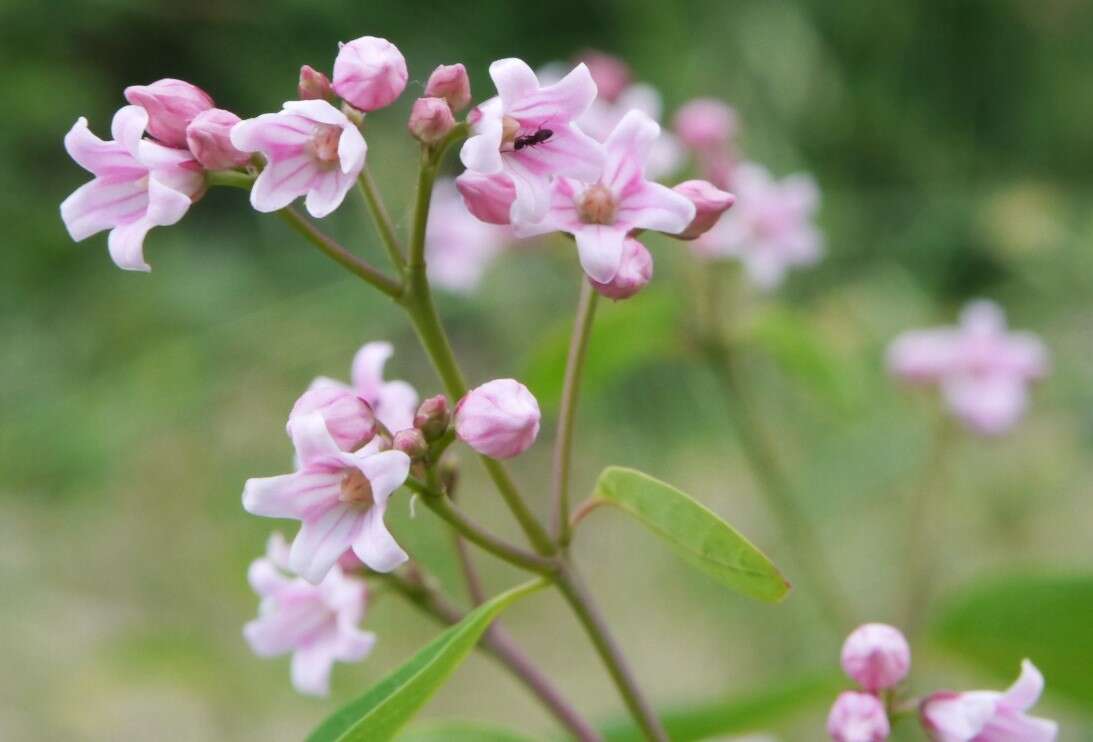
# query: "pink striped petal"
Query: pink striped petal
565,100
321,541
375,546
599,248
513,79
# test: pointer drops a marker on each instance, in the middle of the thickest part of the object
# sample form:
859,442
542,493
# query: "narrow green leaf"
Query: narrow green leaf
694,531
460,731
1045,618
382,711
752,713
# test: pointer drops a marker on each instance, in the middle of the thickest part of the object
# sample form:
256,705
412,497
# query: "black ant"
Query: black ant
531,140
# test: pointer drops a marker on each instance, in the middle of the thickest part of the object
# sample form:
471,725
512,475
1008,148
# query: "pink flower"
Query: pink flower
171,106
349,419
499,419
983,369
710,203
450,82
430,120
310,147
611,74
488,197
138,184
313,85
209,138
317,623
369,73
769,227
459,247
705,124
601,118
989,716
393,402
527,133
602,214
635,271
877,656
339,497
858,717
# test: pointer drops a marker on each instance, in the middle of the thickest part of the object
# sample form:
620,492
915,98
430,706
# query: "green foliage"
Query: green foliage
382,711
694,532
1045,618
460,731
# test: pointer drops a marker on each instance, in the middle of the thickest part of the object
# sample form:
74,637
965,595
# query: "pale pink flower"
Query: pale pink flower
318,624
488,197
138,184
989,716
710,203
877,656
611,74
339,497
171,106
705,124
858,717
349,419
769,227
369,73
430,119
600,215
635,271
499,419
209,138
458,247
450,82
310,147
527,133
601,118
393,402
983,369
313,85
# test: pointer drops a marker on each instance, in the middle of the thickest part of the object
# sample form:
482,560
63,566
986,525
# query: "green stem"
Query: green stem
563,440
367,186
232,178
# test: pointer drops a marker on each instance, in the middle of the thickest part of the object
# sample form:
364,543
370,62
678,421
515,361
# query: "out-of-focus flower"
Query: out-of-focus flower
611,74
499,419
488,197
601,214
318,624
527,133
982,368
635,271
310,148
138,184
349,419
710,203
209,138
769,227
450,82
989,716
705,124
601,118
430,120
858,717
459,247
313,85
171,106
393,402
369,73
877,656
339,497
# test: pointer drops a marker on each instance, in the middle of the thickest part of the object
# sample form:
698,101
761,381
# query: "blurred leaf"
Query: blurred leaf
625,335
1045,618
751,713
694,531
383,710
460,731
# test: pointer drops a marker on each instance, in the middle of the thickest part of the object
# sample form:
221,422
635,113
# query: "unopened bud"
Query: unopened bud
369,73
412,443
430,120
209,139
635,271
313,85
710,203
171,106
433,417
450,82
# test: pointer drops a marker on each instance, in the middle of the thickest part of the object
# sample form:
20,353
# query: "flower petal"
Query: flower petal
367,371
565,100
375,546
311,666
103,204
315,447
97,156
321,541
272,132
627,149
569,152
128,127
386,472
282,181
126,245
316,109
654,206
532,191
351,151
1026,690
396,405
599,248
514,80
328,191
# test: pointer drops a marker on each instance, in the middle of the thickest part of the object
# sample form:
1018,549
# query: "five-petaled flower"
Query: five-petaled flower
318,624
339,497
600,214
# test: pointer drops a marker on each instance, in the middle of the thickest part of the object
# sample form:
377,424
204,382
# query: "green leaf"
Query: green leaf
383,710
752,713
460,731
694,531
1045,618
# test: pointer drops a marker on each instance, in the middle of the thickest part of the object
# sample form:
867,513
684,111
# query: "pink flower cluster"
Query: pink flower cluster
878,658
983,370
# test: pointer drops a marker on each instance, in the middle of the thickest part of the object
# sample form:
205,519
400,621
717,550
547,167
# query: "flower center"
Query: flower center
510,127
597,205
324,143
356,489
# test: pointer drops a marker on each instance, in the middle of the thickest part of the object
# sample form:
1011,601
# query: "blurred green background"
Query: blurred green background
953,145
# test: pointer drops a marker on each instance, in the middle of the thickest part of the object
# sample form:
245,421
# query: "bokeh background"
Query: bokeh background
953,145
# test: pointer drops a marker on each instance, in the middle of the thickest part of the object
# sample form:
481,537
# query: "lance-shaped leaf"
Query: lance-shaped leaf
382,711
694,531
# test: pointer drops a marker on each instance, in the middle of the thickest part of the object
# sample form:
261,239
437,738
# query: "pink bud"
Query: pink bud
611,74
171,106
450,82
710,203
349,419
488,197
635,271
430,120
705,123
209,138
412,443
499,419
877,656
369,73
858,717
433,416
313,85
